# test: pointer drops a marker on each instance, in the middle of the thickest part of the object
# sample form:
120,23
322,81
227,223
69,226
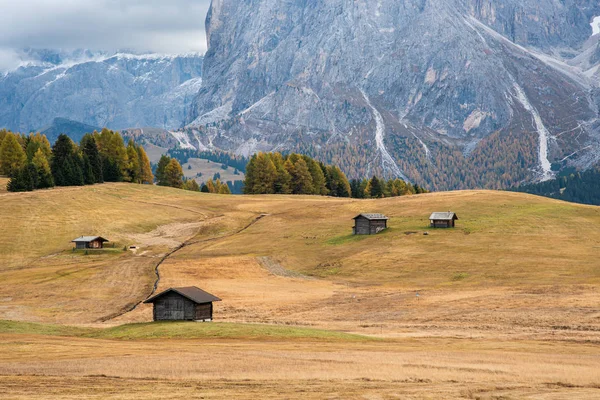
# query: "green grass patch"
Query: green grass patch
346,239
29,328
198,330
180,330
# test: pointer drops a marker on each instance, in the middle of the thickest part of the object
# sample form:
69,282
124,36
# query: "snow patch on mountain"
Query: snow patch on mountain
544,134
387,162
595,26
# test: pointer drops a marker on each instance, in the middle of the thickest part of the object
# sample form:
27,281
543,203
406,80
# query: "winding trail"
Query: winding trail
183,245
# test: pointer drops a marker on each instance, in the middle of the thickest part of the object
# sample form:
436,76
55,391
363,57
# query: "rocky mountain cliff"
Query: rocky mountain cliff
447,93
117,91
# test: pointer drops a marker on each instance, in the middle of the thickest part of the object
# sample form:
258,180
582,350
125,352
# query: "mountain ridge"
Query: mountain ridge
119,90
408,79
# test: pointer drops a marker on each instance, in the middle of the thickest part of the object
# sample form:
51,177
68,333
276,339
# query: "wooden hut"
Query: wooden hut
443,220
369,224
183,304
89,242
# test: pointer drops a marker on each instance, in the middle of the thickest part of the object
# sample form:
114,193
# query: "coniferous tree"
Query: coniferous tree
66,163
23,180
317,176
337,182
191,185
302,182
12,155
283,181
114,155
173,174
133,170
90,150
160,170
222,188
3,133
264,175
145,174
43,171
37,141
376,188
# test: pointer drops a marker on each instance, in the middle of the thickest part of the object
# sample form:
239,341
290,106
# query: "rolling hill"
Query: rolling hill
513,288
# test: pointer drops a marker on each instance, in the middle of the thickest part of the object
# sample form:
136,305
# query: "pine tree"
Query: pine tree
302,182
337,182
145,173
283,180
173,174
265,175
66,163
223,188
12,155
23,180
88,172
133,163
160,170
376,188
114,155
89,148
318,178
191,185
42,167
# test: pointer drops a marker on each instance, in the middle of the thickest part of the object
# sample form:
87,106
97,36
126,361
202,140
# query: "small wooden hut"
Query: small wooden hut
369,224
89,242
183,304
443,219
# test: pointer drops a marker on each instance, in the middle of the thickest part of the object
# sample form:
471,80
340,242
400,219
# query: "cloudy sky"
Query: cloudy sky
161,26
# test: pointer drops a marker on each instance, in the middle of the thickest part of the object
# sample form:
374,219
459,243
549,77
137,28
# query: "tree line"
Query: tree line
275,173
32,163
577,187
170,173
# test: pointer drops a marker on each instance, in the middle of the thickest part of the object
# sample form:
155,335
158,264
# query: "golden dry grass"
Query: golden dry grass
507,306
429,368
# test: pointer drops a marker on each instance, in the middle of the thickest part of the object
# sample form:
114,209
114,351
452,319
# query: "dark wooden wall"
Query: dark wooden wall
442,224
364,226
174,307
377,226
204,312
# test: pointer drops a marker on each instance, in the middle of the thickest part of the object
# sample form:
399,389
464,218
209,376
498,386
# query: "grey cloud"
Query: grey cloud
172,26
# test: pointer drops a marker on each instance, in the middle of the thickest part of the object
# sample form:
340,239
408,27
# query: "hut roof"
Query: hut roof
372,217
443,216
89,239
192,293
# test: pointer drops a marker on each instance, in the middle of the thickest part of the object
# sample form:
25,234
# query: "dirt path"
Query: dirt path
183,245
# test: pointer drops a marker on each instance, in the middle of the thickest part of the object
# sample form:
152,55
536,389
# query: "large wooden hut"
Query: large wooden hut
369,224
89,242
443,219
183,304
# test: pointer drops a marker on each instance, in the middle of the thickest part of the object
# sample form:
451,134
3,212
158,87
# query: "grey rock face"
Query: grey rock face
325,75
116,91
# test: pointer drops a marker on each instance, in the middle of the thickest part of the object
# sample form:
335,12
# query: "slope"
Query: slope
510,251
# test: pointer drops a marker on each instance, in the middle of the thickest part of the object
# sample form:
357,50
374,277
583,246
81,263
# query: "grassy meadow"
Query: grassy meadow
507,305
